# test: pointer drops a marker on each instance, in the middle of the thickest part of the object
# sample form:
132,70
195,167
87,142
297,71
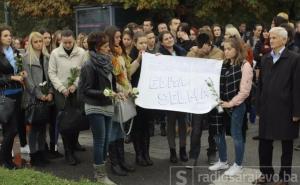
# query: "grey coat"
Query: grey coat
34,79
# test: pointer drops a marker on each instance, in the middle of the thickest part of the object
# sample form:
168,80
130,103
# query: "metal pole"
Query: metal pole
6,13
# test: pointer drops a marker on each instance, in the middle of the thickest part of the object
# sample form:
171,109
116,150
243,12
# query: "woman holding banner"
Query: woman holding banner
168,47
235,86
141,124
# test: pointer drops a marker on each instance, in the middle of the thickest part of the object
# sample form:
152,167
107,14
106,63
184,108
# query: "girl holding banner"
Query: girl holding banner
141,124
235,86
168,47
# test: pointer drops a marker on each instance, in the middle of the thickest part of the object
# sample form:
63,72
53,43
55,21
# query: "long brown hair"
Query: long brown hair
237,44
4,28
111,31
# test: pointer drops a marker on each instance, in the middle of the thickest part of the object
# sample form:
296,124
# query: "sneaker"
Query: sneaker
219,166
234,170
192,163
25,149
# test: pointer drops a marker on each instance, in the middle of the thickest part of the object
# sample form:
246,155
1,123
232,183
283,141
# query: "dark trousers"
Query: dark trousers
69,141
53,129
198,125
22,128
266,155
37,137
70,138
140,131
10,131
172,117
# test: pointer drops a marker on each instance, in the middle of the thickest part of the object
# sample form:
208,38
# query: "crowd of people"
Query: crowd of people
49,71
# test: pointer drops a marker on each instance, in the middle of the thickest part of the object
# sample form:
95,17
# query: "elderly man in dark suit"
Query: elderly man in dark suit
278,106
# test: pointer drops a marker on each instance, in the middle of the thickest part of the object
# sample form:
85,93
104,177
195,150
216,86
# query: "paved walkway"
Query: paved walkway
162,173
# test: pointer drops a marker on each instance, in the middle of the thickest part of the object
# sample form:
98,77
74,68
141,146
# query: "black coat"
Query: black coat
93,81
136,76
6,71
178,50
186,44
279,96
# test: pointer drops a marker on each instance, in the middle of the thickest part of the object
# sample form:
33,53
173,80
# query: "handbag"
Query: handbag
38,112
124,111
72,118
7,106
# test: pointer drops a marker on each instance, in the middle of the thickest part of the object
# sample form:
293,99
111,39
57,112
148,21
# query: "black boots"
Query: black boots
38,159
183,155
142,152
121,156
115,164
173,155
70,158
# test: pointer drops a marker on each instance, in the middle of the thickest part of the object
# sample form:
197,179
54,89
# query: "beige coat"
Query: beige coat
215,53
61,63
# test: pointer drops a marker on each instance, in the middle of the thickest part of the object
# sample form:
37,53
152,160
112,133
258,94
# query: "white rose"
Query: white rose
135,91
106,92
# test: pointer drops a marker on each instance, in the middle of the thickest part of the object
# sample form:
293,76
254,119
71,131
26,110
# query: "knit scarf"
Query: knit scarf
9,54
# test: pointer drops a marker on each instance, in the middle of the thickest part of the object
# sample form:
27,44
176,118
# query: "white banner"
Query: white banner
179,83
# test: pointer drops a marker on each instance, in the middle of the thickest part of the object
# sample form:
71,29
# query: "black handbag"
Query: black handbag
72,118
7,106
38,113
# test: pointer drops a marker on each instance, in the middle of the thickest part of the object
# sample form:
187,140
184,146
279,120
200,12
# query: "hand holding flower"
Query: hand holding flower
72,89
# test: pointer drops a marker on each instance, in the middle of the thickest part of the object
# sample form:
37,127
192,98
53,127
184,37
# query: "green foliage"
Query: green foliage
29,15
236,11
31,177
74,74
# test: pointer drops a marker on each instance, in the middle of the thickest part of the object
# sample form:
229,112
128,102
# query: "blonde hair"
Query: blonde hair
283,15
232,31
31,51
292,25
236,43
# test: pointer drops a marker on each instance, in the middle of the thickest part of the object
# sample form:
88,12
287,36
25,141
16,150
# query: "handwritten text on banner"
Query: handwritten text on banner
178,83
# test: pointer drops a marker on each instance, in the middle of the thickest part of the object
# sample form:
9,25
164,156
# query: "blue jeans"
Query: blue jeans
116,132
101,128
237,135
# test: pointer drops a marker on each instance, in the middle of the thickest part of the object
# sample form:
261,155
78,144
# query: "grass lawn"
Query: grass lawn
31,177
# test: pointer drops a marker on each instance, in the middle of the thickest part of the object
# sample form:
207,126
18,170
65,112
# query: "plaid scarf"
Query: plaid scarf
230,81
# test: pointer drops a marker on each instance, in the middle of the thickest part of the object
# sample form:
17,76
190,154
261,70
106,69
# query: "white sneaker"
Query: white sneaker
25,149
219,166
233,170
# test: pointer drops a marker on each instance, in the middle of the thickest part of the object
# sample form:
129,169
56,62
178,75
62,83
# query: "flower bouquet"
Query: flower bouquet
134,92
74,74
108,92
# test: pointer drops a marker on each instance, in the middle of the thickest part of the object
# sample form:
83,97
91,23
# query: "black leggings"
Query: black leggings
140,131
